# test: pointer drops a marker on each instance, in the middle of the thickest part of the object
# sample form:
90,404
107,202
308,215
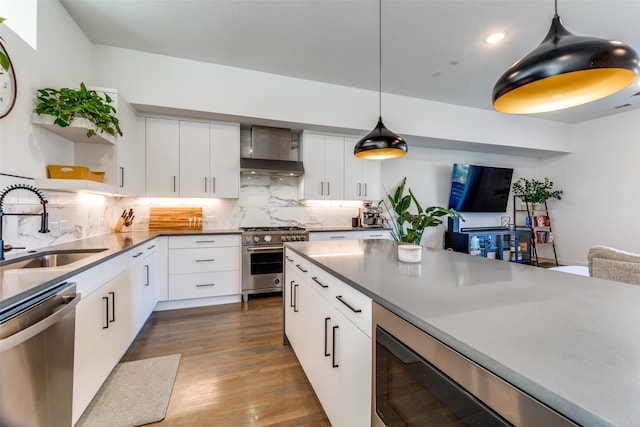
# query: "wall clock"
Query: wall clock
8,87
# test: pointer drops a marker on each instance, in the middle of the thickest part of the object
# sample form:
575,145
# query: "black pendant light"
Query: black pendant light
380,143
565,71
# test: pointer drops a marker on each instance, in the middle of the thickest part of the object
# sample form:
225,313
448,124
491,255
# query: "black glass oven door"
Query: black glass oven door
412,392
266,263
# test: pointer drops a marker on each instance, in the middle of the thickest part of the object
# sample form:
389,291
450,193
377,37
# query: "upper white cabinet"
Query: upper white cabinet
323,158
361,176
162,154
224,160
192,159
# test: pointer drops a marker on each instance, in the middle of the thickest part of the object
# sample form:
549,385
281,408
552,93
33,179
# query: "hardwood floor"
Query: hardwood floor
234,370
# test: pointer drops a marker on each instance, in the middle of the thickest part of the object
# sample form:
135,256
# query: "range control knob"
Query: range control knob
267,238
256,239
284,238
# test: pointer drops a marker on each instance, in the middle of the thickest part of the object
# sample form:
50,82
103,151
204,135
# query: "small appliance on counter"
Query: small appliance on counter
370,215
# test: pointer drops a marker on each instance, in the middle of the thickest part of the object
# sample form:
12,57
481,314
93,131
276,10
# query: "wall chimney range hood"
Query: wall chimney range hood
269,153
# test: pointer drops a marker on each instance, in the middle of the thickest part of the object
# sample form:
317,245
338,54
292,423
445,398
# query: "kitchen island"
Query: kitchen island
571,342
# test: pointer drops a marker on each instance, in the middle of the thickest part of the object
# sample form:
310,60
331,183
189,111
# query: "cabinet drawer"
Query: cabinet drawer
203,260
199,285
353,304
204,241
376,234
335,235
296,263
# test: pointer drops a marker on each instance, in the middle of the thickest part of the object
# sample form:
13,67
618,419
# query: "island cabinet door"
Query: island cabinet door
350,362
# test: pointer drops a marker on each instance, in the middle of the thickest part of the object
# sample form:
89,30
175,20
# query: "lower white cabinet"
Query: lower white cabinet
204,266
143,275
376,233
328,324
103,328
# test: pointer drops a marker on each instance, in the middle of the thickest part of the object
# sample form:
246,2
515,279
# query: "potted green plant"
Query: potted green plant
408,227
535,191
67,104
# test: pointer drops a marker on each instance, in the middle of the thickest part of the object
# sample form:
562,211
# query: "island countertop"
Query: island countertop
570,341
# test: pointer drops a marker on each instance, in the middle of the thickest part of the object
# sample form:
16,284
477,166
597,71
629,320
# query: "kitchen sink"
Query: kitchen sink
49,259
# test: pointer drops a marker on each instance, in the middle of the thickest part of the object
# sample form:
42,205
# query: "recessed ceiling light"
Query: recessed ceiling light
495,38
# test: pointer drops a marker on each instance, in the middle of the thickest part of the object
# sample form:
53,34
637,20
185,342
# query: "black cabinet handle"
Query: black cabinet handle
289,259
333,357
106,312
291,293
315,279
137,255
355,310
326,338
151,247
113,306
205,285
121,176
295,298
301,269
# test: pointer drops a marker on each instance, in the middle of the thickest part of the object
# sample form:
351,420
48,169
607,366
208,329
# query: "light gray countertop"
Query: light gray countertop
15,284
570,341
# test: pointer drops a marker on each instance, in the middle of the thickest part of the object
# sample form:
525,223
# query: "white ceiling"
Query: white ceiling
432,49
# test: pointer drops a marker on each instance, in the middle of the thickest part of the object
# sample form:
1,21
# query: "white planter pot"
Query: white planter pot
409,253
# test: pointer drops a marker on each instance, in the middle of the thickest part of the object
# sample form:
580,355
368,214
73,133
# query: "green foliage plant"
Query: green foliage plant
67,104
535,191
408,227
4,60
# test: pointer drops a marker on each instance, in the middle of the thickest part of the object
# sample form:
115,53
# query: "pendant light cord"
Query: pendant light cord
556,8
380,58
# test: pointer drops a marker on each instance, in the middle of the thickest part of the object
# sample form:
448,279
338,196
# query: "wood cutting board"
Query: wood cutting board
175,219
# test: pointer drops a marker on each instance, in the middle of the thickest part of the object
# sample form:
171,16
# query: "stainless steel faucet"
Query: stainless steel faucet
44,216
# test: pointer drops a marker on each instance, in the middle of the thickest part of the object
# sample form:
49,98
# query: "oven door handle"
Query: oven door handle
266,248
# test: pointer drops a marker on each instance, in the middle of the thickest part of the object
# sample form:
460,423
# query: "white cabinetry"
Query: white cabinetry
361,176
349,235
328,324
323,157
192,159
204,266
143,273
103,327
162,153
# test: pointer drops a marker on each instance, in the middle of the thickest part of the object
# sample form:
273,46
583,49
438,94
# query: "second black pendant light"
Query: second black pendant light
564,71
380,143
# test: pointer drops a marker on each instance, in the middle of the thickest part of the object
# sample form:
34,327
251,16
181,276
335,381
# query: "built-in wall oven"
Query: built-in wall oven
262,257
419,381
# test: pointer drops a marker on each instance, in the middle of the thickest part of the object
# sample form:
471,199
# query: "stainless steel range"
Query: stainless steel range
262,257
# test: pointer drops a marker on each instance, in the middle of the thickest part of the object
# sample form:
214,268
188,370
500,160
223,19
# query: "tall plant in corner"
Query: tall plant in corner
409,227
4,61
67,104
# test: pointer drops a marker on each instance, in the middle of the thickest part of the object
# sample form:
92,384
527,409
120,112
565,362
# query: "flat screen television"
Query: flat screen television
479,188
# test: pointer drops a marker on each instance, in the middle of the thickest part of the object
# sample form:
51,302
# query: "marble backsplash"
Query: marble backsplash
263,201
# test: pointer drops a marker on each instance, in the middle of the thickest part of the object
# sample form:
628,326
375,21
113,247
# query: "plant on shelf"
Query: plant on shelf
67,104
408,227
535,191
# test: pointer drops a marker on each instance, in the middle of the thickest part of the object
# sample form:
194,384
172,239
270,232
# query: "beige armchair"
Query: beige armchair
613,264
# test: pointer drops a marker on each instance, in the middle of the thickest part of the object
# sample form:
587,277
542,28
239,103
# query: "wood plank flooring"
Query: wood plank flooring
234,371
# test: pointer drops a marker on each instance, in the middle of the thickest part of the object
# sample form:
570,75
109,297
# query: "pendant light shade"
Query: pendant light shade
380,143
564,71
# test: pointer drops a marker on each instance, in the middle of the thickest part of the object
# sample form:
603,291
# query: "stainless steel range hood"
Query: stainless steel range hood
269,153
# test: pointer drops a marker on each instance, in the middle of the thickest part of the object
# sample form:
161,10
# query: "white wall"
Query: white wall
600,182
62,59
157,80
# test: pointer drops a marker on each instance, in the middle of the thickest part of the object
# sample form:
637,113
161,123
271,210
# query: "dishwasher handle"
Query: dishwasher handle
69,304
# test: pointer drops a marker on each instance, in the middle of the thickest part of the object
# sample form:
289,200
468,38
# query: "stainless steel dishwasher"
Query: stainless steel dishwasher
36,358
